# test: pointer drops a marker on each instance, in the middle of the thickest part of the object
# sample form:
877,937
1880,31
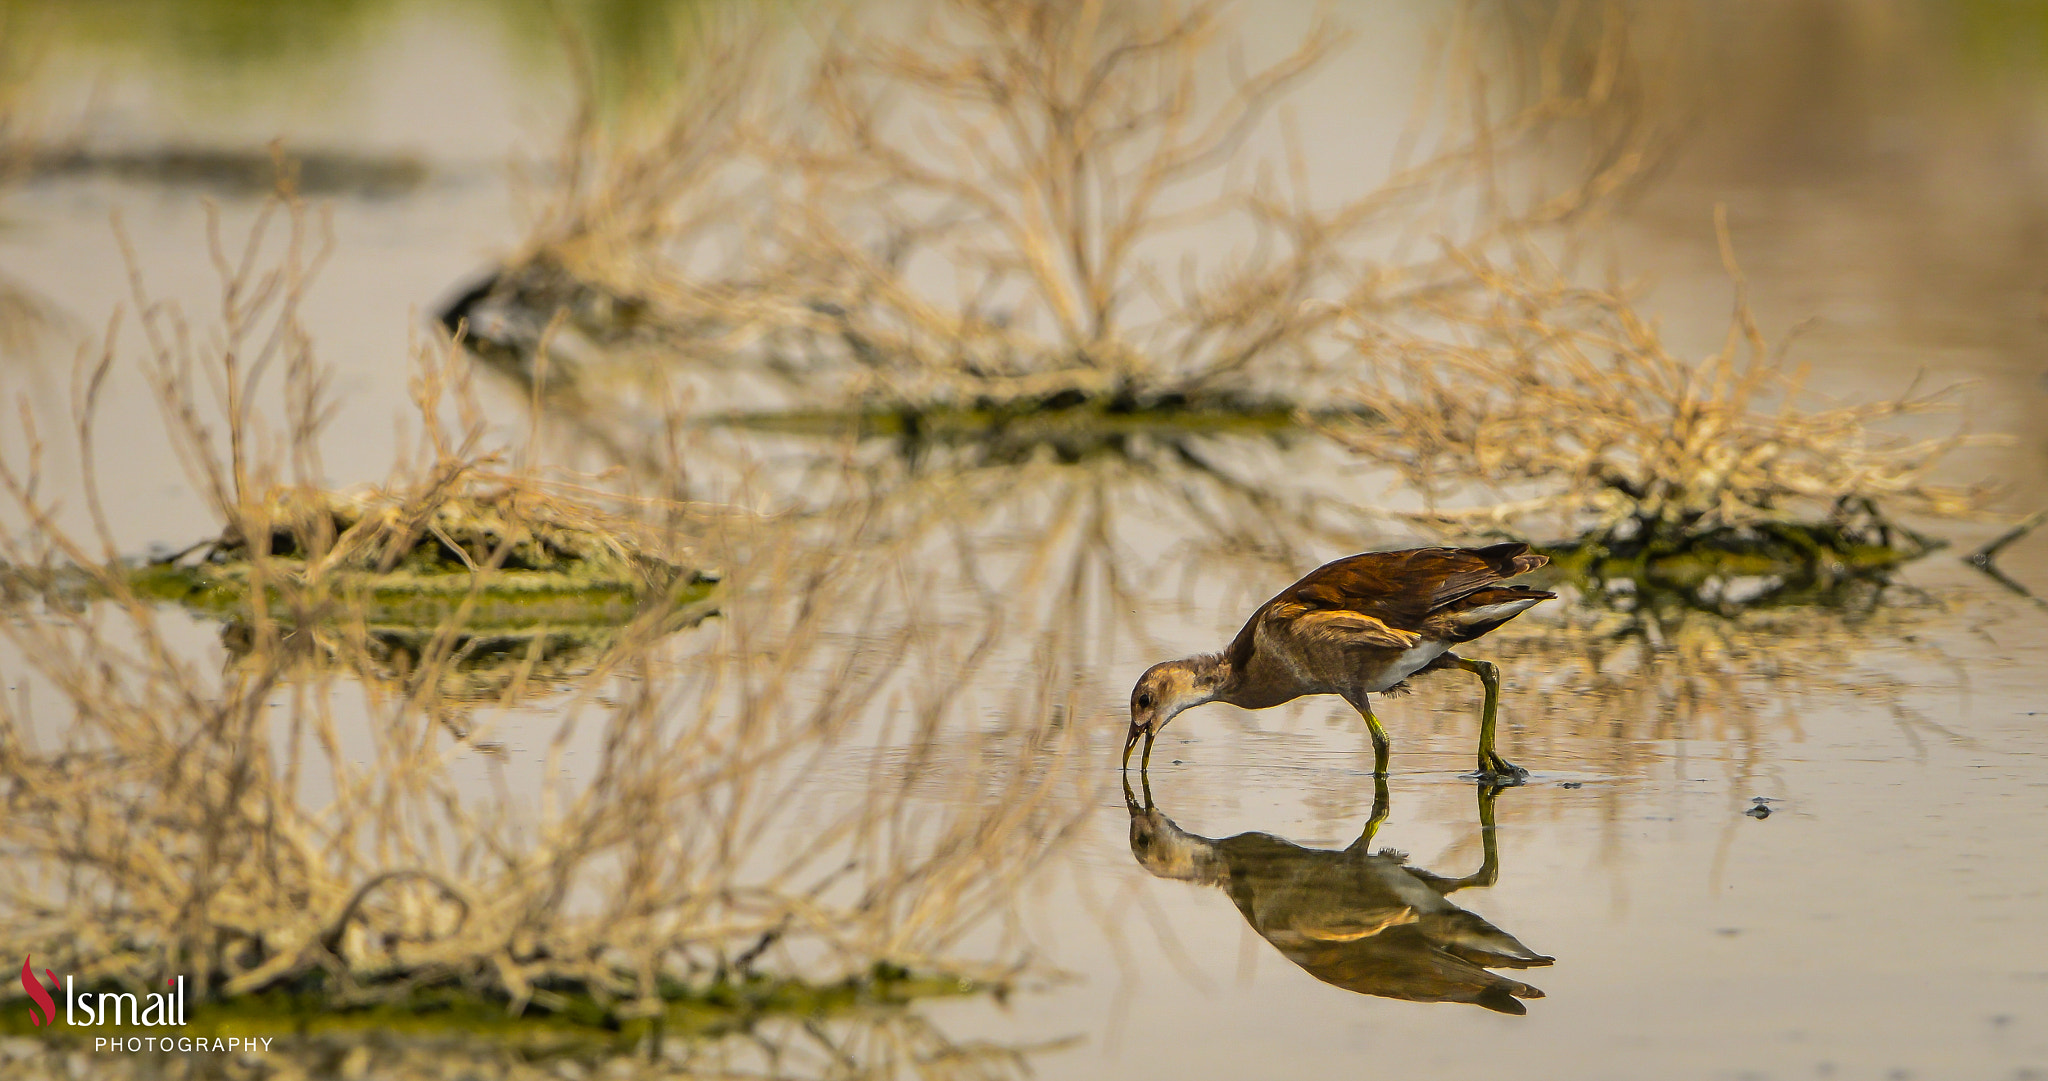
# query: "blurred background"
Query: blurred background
1882,170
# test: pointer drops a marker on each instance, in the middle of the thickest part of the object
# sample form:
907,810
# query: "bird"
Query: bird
1366,921
1355,627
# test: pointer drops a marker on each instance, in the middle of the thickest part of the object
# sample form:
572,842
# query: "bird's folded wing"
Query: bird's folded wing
1339,625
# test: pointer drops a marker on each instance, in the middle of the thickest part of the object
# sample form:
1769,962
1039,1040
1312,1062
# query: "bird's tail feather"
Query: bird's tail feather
1480,612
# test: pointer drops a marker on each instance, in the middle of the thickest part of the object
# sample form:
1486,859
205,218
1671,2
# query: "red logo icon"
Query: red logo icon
48,1014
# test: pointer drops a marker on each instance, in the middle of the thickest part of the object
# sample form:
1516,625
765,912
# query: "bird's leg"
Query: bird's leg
1491,764
1380,745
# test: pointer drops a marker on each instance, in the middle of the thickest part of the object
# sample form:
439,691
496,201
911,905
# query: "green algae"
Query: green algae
489,600
489,557
556,1020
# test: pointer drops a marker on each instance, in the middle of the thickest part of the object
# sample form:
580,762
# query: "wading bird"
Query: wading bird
1365,921
1355,627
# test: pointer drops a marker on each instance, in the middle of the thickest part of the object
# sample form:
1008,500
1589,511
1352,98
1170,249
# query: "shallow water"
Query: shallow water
1879,921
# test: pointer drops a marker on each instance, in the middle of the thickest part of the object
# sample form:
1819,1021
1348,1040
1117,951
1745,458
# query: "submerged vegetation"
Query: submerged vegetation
506,547
564,1021
265,834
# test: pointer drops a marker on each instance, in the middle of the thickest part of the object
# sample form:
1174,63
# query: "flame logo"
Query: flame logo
48,1014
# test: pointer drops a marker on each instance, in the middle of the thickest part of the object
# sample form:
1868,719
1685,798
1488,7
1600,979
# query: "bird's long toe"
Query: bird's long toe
1495,770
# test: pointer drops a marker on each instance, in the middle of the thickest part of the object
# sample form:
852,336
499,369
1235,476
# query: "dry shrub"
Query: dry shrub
455,521
260,826
1541,404
476,666
1015,201
469,523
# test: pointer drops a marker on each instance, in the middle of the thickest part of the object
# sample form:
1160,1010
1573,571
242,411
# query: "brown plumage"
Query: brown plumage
1355,627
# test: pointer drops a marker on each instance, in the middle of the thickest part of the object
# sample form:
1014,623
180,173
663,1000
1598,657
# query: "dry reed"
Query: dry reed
259,827
1006,202
1539,403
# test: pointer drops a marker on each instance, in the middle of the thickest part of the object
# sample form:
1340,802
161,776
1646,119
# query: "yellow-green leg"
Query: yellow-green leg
1491,764
1381,746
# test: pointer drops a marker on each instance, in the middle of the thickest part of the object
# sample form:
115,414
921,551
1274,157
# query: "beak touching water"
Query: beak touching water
1131,741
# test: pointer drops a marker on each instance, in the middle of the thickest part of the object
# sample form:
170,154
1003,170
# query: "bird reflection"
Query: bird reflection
1364,921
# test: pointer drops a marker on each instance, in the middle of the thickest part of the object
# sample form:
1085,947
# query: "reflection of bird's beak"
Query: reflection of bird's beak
1131,800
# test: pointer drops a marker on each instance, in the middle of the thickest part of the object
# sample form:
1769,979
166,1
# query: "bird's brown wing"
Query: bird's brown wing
1393,590
1461,572
1377,584
1402,587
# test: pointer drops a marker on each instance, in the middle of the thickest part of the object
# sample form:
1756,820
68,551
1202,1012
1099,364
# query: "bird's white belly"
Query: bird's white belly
1411,661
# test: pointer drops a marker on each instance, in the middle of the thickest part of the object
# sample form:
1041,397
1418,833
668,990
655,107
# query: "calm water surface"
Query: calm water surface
1882,920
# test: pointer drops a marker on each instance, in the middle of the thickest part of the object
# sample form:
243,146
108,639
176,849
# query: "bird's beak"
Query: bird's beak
1131,741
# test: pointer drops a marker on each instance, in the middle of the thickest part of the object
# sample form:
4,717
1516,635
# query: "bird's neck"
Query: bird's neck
1212,676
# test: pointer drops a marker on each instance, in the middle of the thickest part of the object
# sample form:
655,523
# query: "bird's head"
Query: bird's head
1163,691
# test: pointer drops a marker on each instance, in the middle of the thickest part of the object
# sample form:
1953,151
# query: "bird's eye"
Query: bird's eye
1145,700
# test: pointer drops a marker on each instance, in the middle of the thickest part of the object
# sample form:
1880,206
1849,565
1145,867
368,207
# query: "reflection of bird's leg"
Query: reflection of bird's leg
1491,765
1380,807
1489,866
1380,745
